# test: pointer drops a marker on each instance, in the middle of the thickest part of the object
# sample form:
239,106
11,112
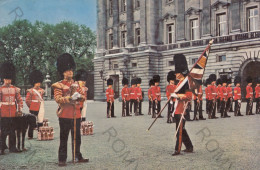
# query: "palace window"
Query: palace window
123,5
123,38
253,19
137,4
110,8
110,41
194,29
137,36
221,24
170,63
134,65
221,58
194,60
170,34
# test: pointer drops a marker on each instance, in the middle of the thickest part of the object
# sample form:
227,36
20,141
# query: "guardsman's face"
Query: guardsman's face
133,85
138,85
213,83
238,85
37,85
229,85
7,81
224,84
250,84
68,74
110,86
171,82
156,83
219,85
125,85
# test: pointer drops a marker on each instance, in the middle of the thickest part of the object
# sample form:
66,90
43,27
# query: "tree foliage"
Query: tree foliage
37,46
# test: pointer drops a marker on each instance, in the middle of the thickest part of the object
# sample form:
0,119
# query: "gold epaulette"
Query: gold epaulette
57,85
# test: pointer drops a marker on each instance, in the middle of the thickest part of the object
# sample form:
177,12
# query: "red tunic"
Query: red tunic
9,96
110,95
182,102
237,93
229,92
249,92
125,93
156,93
223,93
170,89
212,92
133,95
150,93
218,92
207,92
138,91
62,95
257,92
32,100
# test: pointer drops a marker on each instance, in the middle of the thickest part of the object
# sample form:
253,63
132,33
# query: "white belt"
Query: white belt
214,93
8,103
126,94
251,93
239,94
36,101
111,95
225,93
158,93
138,93
131,93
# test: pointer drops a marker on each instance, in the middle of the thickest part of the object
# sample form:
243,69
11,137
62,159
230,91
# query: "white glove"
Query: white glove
239,101
174,95
75,96
171,102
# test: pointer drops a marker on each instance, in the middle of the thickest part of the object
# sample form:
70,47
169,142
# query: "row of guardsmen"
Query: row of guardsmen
219,97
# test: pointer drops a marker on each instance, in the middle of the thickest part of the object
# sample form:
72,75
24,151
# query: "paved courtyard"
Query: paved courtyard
124,143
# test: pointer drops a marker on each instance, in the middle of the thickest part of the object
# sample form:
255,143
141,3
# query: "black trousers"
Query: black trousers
67,125
170,110
30,131
198,109
249,108
207,106
112,109
125,107
237,108
133,102
8,128
229,105
158,105
212,108
223,110
218,105
257,105
150,107
182,135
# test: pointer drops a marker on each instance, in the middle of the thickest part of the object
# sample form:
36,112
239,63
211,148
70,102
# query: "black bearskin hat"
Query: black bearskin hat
229,81
36,77
207,82
138,81
224,79
151,82
156,79
213,77
7,71
133,81
249,79
258,80
81,75
219,82
109,82
124,81
237,80
181,65
65,62
171,76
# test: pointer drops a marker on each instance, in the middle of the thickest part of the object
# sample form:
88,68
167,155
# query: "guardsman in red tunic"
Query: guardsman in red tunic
156,94
81,78
171,78
34,100
257,96
249,96
212,96
110,98
184,97
139,96
230,96
9,96
237,96
133,96
207,84
68,94
218,94
125,93
223,93
198,105
150,98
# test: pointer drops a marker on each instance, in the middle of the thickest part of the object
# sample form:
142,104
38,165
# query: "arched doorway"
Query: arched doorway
249,68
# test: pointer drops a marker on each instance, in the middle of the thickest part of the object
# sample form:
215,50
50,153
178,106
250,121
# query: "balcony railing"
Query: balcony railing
194,43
